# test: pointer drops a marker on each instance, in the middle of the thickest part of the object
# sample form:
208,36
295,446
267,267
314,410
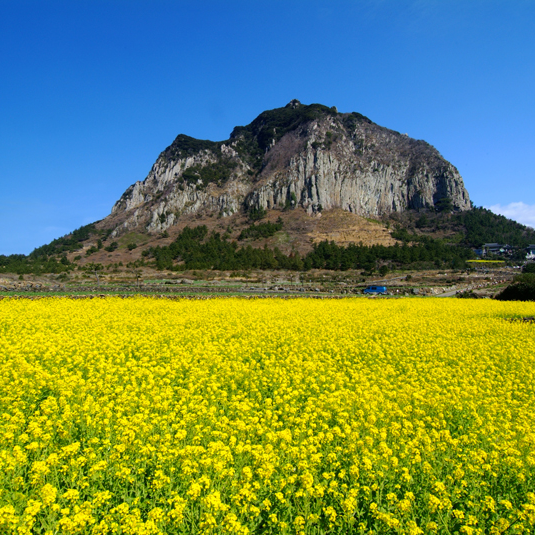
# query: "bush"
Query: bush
522,289
469,294
422,221
214,173
383,270
262,230
257,214
529,268
131,246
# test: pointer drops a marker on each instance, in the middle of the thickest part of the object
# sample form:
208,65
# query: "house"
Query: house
530,249
491,247
495,249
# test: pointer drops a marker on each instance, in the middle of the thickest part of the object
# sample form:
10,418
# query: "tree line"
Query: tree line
22,264
195,248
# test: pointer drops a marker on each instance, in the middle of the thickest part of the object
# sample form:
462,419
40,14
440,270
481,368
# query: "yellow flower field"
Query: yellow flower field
147,416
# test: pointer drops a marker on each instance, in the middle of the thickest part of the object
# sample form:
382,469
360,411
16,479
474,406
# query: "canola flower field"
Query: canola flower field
146,416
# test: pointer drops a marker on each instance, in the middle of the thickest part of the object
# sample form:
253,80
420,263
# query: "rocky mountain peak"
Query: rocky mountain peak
293,104
308,157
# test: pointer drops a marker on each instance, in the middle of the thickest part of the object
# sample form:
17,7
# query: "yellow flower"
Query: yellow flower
71,495
369,415
48,494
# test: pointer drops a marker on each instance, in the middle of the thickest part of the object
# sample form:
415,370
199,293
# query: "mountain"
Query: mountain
306,157
300,186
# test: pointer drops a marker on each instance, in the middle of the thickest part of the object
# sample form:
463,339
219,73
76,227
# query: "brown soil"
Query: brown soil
344,228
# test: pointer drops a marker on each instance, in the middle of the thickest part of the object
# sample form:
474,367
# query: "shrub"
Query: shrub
383,270
422,221
522,289
262,230
255,214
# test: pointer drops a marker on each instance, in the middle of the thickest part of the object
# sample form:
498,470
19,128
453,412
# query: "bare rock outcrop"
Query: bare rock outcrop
298,156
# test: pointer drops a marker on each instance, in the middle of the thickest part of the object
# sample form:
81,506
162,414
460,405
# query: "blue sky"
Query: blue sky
92,91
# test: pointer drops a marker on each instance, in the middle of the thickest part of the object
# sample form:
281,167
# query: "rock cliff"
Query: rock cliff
299,156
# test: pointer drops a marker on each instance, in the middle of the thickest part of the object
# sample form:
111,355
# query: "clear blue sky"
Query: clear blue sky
91,91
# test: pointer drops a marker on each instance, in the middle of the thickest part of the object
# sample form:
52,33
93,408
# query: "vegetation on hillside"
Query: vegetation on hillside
478,226
429,253
184,146
256,137
352,119
471,228
51,257
194,248
261,230
270,126
66,244
22,264
216,173
483,226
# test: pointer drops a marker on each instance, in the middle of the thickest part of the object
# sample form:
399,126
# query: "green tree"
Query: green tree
257,214
444,205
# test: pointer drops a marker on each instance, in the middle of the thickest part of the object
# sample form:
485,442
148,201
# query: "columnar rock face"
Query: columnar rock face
299,156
